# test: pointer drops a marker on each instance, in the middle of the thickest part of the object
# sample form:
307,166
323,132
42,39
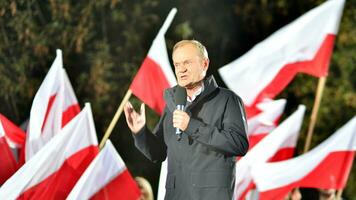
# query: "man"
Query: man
200,164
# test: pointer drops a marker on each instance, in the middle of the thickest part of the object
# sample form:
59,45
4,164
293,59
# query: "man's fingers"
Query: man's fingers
177,118
180,119
178,114
142,110
129,105
128,111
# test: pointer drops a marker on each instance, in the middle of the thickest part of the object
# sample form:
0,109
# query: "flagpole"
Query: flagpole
338,194
319,93
115,119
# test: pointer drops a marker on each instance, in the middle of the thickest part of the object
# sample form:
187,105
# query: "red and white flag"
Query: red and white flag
266,121
282,138
70,106
53,106
162,181
155,74
327,166
9,134
305,45
13,134
261,125
8,164
54,170
106,178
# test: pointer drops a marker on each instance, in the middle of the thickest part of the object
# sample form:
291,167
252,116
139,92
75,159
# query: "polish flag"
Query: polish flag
70,106
58,165
162,181
281,139
8,164
155,74
106,178
13,134
305,45
53,106
327,166
266,121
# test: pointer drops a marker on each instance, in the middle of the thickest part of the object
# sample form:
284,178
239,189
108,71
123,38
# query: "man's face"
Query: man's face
190,67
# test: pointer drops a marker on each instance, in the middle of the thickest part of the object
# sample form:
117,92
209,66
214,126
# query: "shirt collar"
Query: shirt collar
196,94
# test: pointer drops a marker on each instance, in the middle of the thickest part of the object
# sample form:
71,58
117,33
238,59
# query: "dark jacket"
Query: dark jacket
200,165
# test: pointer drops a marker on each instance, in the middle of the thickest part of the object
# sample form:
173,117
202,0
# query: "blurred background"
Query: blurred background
104,43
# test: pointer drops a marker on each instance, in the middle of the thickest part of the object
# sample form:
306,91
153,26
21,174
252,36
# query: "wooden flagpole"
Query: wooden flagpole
116,118
338,194
319,93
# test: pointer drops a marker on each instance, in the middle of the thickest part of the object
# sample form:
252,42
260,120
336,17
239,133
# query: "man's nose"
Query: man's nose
182,69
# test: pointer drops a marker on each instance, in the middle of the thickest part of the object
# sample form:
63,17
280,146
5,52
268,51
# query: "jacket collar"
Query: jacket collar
210,86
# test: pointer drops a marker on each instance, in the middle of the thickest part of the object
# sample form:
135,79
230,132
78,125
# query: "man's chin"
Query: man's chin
183,84
189,85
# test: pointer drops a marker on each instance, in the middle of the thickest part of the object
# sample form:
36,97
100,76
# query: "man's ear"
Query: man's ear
206,64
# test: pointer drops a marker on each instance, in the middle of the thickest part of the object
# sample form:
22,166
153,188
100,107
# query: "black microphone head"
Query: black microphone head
180,95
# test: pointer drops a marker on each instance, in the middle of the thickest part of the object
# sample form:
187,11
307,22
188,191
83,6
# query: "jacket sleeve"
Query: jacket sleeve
231,139
152,144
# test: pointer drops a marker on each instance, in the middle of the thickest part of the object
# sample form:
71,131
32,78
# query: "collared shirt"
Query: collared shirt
196,94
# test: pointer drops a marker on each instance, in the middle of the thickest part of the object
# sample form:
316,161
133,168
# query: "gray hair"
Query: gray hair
199,46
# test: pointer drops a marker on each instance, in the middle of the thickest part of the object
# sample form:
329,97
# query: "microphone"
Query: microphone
180,97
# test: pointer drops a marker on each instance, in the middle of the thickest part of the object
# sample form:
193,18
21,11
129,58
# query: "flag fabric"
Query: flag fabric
54,170
53,106
162,181
259,126
327,166
282,138
13,134
8,164
70,103
155,74
106,178
305,45
266,121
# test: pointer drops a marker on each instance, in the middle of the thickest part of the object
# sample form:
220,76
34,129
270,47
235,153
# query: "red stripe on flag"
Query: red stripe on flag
122,187
149,85
59,184
318,67
13,132
67,115
49,106
70,113
331,173
283,154
8,164
254,139
249,187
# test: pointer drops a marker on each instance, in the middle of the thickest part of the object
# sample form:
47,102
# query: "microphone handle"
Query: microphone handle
178,131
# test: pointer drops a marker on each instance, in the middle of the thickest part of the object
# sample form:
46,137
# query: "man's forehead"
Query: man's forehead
185,52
